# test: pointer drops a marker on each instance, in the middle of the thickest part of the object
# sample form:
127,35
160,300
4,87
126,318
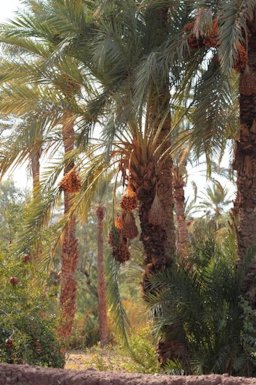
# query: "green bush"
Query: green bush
142,352
30,339
27,324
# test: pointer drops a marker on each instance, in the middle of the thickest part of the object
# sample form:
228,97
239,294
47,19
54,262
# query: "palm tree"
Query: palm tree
103,189
103,326
179,198
125,60
214,202
27,136
179,183
232,51
224,34
59,80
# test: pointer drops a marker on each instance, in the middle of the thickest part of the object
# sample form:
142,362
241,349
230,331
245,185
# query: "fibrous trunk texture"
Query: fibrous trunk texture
30,375
102,301
245,162
182,231
155,183
158,239
69,255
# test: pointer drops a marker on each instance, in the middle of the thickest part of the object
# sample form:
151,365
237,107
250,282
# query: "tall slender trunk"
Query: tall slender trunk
182,231
69,255
245,162
35,167
102,301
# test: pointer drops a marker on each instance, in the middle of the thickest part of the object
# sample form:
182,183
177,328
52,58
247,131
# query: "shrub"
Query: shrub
142,352
26,322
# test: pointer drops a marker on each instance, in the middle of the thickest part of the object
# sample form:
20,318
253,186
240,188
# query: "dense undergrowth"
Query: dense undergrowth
27,317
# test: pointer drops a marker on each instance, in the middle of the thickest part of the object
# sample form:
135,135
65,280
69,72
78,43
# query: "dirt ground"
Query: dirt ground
29,375
100,359
77,361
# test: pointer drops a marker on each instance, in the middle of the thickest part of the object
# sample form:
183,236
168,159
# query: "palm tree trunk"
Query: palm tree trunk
102,301
159,239
182,231
35,167
245,162
69,255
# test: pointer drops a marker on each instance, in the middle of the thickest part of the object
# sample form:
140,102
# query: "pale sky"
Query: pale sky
7,11
7,8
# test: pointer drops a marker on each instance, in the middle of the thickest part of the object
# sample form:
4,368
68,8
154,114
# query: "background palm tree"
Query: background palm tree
36,69
213,94
214,202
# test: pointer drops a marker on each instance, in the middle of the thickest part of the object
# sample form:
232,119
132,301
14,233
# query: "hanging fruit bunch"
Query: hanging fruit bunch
129,200
124,226
9,343
129,230
26,258
71,181
121,253
210,39
14,281
195,41
118,221
114,237
198,39
118,243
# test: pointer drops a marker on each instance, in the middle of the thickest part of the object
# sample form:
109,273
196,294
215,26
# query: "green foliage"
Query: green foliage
117,309
118,357
26,323
209,314
27,305
143,357
11,209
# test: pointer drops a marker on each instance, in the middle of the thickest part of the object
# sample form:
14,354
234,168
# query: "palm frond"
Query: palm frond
114,298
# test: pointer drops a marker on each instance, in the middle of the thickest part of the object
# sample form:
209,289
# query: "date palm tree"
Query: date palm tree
214,201
58,88
117,57
223,34
100,213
